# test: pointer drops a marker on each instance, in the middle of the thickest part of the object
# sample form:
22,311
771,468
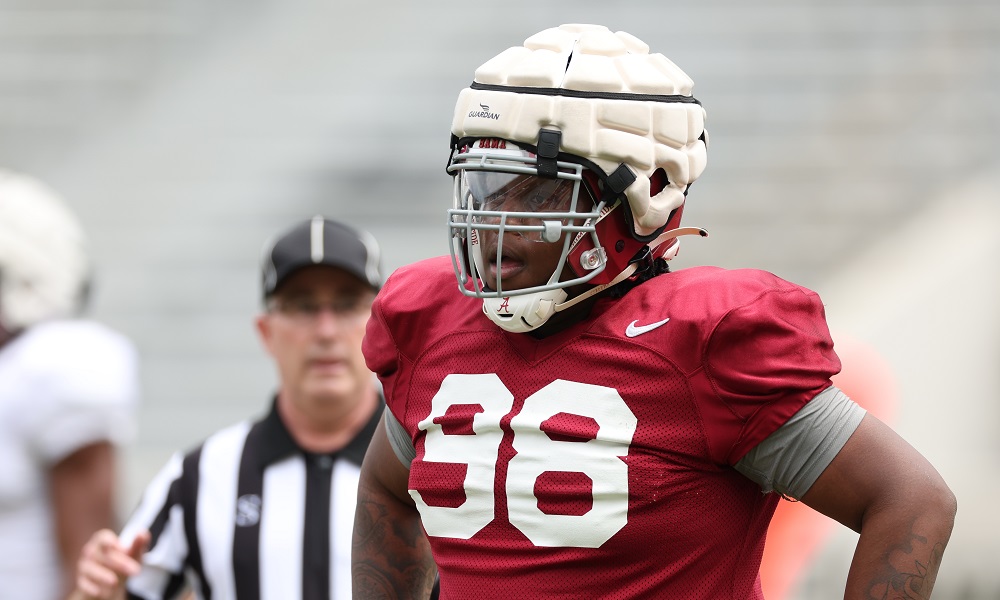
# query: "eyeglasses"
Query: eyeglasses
305,308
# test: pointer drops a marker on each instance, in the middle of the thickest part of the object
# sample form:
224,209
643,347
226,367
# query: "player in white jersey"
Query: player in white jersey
68,391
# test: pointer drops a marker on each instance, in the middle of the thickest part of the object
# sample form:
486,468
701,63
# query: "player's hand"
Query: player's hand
105,564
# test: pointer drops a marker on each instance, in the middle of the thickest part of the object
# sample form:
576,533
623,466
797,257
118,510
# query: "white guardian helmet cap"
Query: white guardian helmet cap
592,112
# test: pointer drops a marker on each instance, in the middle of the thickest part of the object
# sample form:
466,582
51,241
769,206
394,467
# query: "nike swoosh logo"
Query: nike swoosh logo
633,330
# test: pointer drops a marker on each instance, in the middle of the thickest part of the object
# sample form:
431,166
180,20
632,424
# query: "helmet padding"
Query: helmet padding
612,101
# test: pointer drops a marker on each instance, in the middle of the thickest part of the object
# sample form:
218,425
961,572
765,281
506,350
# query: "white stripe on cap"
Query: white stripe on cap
371,259
316,239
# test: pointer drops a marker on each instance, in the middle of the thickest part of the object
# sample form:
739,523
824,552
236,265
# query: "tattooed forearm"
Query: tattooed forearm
391,557
910,571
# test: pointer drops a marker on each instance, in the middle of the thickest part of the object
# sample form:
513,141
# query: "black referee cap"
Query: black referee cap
322,241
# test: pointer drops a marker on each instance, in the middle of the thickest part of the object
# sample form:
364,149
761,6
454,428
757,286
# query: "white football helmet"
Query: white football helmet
585,110
44,267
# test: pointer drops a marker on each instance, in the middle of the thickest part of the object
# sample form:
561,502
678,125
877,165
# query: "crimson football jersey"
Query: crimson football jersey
596,462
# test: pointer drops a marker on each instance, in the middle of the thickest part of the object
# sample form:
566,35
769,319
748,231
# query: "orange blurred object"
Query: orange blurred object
797,531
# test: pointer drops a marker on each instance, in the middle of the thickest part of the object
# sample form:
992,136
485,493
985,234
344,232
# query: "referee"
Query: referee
264,510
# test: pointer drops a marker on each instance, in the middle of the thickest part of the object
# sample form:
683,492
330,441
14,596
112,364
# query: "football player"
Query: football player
68,393
573,419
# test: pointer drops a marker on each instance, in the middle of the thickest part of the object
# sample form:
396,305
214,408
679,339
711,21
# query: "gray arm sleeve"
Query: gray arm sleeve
791,459
400,441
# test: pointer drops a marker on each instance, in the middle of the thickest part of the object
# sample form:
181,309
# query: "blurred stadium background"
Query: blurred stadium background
854,149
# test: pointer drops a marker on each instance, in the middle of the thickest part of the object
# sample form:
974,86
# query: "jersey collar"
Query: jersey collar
277,443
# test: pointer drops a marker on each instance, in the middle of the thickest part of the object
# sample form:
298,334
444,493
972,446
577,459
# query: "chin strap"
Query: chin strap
632,268
673,233
629,270
666,236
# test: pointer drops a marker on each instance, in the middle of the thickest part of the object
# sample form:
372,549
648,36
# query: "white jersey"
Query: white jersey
63,386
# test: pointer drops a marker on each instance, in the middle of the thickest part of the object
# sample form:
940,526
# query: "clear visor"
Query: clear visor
536,208
498,192
501,189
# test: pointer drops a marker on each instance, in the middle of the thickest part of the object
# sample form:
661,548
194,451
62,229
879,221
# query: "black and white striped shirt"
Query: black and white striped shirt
249,515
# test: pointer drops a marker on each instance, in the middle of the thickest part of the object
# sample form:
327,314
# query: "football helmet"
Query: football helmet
44,266
598,140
